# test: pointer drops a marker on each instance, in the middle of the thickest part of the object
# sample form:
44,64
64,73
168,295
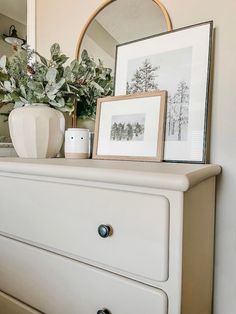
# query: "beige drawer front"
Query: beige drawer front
57,285
9,305
66,218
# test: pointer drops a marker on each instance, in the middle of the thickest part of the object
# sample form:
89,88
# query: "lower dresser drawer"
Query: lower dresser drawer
57,285
9,305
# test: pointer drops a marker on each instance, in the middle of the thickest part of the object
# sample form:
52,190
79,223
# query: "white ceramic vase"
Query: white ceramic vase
37,131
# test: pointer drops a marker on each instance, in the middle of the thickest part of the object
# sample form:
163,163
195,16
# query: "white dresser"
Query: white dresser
106,237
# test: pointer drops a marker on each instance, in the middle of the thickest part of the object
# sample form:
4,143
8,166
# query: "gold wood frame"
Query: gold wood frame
160,126
105,4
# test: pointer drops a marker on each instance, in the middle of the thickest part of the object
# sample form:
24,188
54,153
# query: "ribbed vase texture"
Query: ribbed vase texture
37,131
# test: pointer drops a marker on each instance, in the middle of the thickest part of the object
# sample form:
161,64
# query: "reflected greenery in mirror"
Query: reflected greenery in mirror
97,83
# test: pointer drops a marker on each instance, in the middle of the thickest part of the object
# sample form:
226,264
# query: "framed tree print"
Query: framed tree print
130,127
179,62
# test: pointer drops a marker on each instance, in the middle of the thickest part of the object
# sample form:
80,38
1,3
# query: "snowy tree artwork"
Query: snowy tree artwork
177,113
128,127
144,79
169,71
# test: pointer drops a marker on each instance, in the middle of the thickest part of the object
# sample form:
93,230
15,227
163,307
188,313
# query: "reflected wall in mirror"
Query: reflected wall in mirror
120,21
12,12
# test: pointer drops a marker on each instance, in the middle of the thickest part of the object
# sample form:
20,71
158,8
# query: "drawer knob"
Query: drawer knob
104,311
104,231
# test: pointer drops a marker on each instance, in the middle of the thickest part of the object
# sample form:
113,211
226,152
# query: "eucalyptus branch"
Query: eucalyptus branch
27,77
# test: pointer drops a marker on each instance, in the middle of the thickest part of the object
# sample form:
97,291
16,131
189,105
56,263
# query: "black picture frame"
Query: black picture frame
205,42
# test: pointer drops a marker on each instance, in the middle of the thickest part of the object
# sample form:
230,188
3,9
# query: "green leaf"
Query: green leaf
60,60
7,86
68,74
55,49
35,86
40,97
51,75
24,100
51,96
19,104
23,92
43,60
75,66
7,98
52,90
59,84
3,61
61,102
69,109
4,77
84,55
97,86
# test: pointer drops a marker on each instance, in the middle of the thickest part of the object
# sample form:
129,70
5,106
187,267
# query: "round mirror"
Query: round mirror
120,21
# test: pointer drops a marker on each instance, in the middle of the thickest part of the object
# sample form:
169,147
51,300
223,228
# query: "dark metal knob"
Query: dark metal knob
104,311
104,231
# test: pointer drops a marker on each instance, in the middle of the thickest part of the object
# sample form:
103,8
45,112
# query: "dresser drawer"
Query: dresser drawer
66,218
9,305
57,285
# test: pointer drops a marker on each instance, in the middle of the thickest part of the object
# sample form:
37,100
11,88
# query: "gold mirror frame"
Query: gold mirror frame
95,13
105,4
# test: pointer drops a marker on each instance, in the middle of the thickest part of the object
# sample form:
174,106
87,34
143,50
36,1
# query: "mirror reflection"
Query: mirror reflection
119,22
13,28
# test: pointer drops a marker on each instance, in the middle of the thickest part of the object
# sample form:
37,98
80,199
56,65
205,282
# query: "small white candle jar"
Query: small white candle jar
77,143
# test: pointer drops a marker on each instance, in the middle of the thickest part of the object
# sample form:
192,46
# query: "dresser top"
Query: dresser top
171,176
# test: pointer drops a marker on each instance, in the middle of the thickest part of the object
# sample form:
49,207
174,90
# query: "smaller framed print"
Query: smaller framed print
130,127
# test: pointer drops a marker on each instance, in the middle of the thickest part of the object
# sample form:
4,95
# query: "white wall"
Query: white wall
102,45
91,45
63,24
223,134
